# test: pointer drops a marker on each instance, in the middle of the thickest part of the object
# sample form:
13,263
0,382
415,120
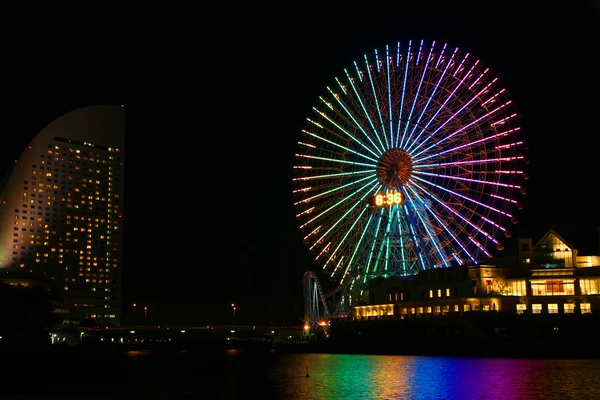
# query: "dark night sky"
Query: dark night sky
215,103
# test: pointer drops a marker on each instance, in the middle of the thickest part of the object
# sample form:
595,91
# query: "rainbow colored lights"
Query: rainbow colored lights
432,127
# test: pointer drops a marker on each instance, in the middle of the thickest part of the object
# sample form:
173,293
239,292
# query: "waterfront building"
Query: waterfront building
550,277
61,212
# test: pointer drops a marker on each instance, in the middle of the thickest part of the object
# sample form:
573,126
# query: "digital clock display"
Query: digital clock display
387,199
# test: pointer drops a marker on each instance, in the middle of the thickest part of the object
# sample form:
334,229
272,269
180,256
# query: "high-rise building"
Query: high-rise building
61,211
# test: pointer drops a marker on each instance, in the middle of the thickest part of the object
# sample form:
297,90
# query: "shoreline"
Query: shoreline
540,349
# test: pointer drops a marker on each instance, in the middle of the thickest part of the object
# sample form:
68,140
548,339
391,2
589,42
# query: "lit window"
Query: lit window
569,308
586,308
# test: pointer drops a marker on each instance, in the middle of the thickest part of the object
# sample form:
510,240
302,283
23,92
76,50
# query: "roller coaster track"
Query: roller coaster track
313,300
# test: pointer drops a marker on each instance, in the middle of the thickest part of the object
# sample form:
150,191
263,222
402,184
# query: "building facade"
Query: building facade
61,211
549,277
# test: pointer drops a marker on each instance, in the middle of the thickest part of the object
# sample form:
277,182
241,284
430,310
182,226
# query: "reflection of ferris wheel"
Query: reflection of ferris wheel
411,160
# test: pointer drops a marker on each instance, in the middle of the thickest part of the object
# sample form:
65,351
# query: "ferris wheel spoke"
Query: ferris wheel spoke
431,96
329,211
455,229
454,236
493,161
479,143
458,178
328,194
463,197
403,251
464,128
356,124
424,217
370,259
337,146
339,129
355,249
426,224
388,63
444,106
363,108
338,161
342,241
334,175
463,218
417,97
403,91
376,99
341,244
449,96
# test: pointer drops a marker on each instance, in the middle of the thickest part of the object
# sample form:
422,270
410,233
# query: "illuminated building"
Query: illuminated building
542,302
550,277
61,209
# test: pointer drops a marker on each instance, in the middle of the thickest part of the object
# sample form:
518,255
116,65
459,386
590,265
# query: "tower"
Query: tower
61,210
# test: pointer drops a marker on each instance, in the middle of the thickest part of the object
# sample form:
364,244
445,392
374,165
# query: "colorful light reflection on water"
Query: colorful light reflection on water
334,376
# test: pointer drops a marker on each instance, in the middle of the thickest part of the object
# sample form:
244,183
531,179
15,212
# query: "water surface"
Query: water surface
237,374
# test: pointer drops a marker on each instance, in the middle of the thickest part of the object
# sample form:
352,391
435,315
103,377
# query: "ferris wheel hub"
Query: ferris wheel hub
394,167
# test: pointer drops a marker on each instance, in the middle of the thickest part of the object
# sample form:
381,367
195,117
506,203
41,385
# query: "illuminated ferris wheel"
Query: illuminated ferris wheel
412,159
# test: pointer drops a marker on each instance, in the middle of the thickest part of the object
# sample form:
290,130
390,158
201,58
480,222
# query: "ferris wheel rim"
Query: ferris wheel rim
454,167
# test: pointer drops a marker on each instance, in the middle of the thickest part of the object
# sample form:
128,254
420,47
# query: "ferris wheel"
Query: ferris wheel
412,159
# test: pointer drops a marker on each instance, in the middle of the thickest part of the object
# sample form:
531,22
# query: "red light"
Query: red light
3,201
16,160
122,105
29,147
120,216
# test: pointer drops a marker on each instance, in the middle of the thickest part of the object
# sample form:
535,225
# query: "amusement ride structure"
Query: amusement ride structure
412,159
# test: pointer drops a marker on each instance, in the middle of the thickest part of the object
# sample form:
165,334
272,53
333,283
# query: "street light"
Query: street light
133,307
145,314
233,308
306,330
